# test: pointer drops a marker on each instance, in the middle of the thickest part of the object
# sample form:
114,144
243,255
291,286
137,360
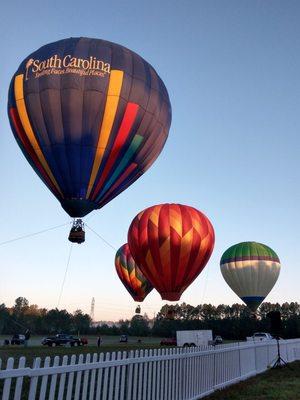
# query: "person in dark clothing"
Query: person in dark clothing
99,341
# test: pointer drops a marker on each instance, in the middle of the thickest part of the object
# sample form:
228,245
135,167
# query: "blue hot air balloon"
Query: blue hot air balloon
90,116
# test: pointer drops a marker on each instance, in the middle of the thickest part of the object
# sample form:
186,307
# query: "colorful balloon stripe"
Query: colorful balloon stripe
124,131
112,100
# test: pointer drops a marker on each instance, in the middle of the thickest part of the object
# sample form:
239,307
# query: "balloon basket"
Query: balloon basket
77,233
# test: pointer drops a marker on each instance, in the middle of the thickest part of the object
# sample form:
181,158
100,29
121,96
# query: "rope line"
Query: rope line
65,275
33,234
99,236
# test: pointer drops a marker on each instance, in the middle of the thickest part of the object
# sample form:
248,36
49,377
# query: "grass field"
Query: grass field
279,384
109,344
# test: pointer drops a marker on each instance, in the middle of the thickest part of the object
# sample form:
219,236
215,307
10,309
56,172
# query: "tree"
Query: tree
81,322
139,326
21,305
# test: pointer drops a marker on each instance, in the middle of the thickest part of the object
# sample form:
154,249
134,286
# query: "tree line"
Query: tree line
40,321
233,322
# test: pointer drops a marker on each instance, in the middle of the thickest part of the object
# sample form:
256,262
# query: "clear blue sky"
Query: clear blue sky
232,72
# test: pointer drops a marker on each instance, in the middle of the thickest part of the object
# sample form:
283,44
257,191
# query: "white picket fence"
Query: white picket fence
156,374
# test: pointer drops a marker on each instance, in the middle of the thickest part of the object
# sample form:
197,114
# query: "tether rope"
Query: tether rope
65,275
99,236
33,234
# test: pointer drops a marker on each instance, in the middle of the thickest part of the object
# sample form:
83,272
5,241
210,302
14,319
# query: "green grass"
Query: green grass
276,384
109,344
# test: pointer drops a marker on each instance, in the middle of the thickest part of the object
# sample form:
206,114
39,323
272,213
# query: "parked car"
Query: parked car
218,340
260,336
61,340
168,342
18,339
123,339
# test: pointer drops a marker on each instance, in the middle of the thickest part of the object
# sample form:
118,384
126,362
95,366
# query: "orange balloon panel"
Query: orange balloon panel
171,243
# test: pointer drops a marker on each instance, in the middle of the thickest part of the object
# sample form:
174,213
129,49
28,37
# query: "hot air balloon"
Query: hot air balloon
131,276
171,243
251,270
90,116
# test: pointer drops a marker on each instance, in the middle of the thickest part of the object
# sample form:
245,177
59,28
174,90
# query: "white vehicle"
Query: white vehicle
193,338
260,336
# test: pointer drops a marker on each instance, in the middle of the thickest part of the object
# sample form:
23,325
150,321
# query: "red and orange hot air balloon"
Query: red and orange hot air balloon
130,274
171,243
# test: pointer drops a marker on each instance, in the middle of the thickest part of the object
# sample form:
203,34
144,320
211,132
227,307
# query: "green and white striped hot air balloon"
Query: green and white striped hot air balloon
251,270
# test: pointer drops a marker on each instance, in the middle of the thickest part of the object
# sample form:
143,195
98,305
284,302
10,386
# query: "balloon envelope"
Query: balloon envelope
251,270
130,274
90,117
171,244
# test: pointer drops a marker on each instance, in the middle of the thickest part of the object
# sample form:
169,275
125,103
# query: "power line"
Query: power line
33,234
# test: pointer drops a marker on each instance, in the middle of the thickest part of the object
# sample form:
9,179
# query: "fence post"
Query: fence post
112,378
123,376
34,380
53,380
19,382
105,381
117,379
70,379
62,380
129,377
7,382
93,378
78,379
255,358
99,378
215,372
145,375
150,366
240,366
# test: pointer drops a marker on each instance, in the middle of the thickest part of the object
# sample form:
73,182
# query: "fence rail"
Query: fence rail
155,374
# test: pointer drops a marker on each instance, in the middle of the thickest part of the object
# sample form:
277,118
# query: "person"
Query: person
27,337
99,341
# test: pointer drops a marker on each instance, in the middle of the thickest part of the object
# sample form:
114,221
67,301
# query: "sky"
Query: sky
232,72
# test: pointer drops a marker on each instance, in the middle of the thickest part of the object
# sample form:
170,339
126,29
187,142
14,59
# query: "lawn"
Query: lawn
109,344
278,384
